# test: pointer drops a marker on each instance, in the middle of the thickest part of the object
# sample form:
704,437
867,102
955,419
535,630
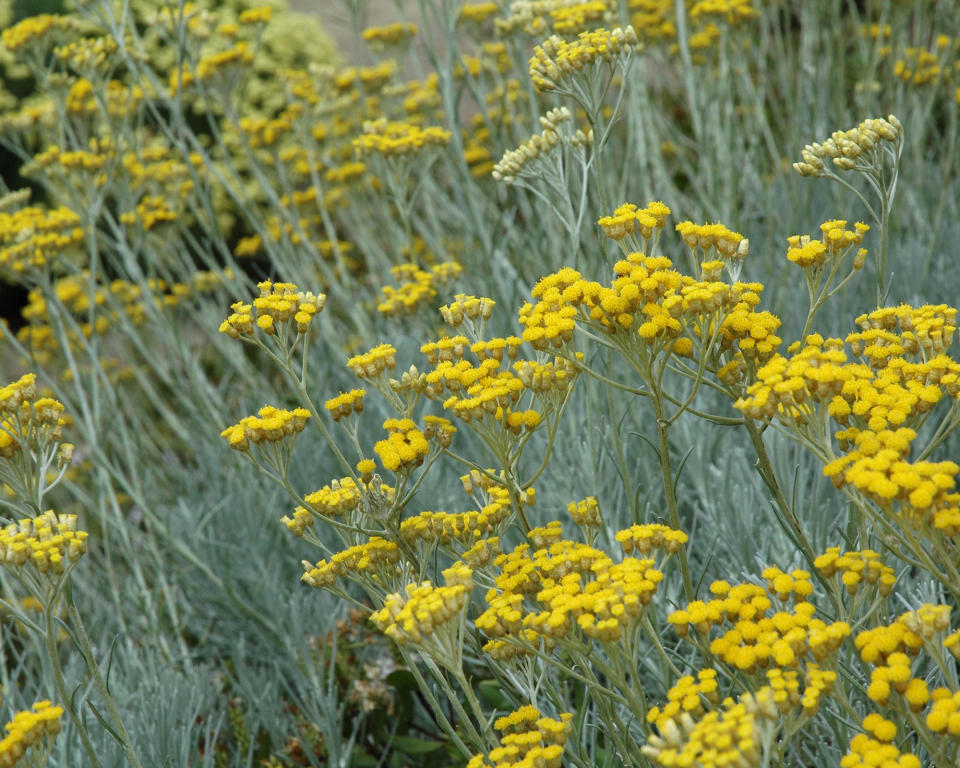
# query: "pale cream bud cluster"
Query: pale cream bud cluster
844,147
466,307
513,162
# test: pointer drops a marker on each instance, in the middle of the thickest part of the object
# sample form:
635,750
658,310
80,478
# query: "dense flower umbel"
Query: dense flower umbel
46,543
688,695
844,148
270,425
26,421
341,497
415,287
903,373
856,569
422,610
650,536
33,238
346,403
835,242
556,60
464,527
371,364
405,447
577,588
732,736
628,220
398,138
529,740
279,306
759,638
27,729
376,560
876,748
397,33
891,649
650,308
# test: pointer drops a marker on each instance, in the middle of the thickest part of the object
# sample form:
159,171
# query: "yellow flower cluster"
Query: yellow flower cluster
628,219
713,237
890,649
555,59
478,12
398,138
529,740
482,553
118,99
856,568
564,17
485,394
223,64
375,559
267,132
424,609
944,714
25,420
794,585
46,542
440,428
464,527
877,401
819,682
920,66
278,306
733,735
575,586
371,364
650,536
877,749
573,17
151,211
27,728
877,467
33,29
650,299
271,424
341,497
259,15
415,287
758,638
925,331
33,237
398,33
845,147
14,394
685,696
346,403
835,243
585,513
405,447
729,11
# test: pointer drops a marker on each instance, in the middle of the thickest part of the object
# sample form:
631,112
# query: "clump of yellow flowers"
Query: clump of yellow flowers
47,543
31,731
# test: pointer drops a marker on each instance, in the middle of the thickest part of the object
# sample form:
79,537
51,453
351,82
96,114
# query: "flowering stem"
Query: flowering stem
116,721
50,632
673,510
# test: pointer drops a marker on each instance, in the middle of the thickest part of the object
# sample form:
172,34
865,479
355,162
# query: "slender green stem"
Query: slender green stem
51,633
